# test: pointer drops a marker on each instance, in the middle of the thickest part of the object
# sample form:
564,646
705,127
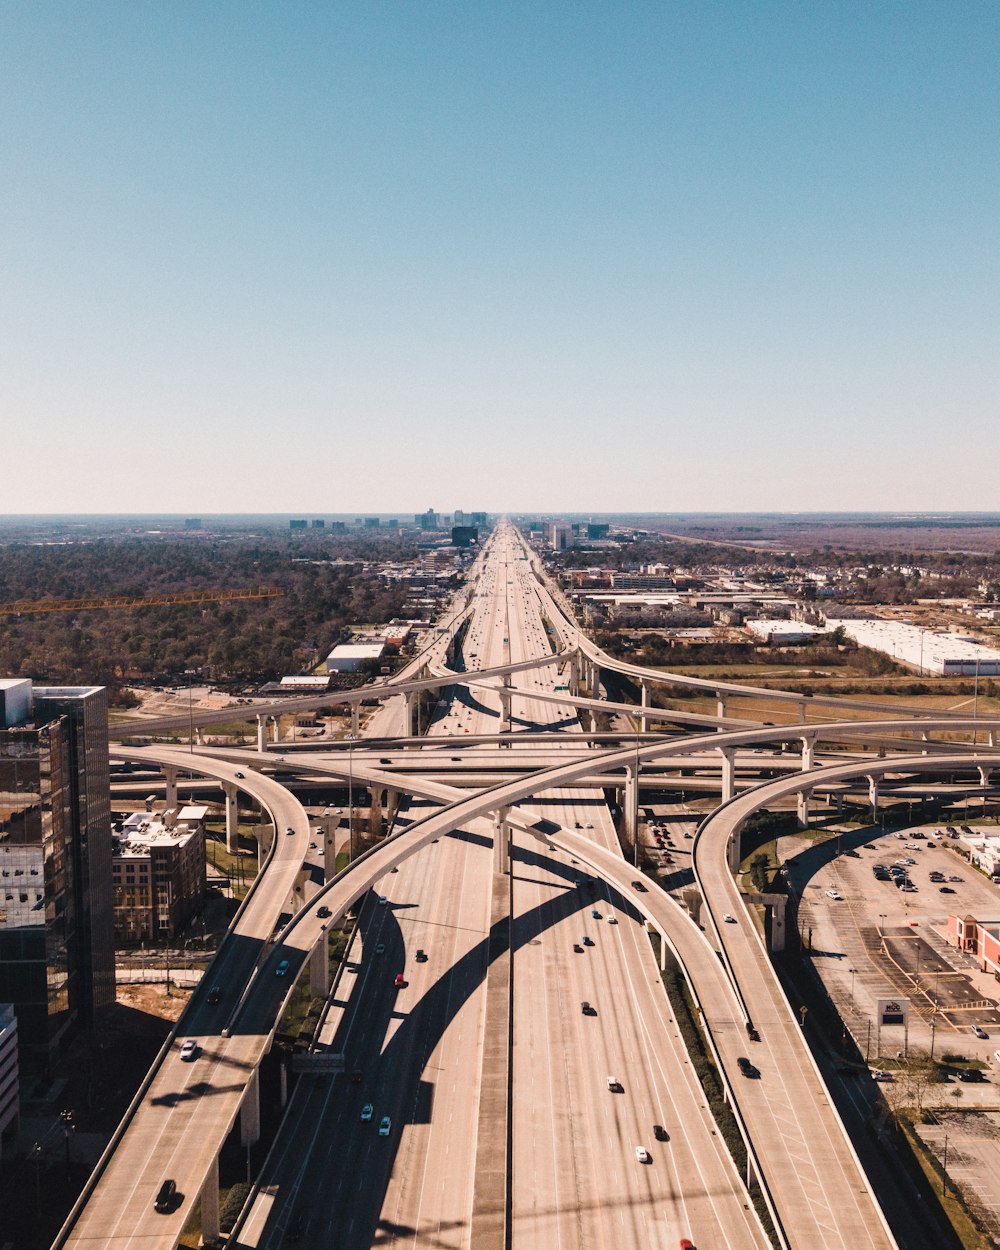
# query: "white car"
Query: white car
385,1124
728,919
612,920
642,1155
836,895
189,1051
367,1111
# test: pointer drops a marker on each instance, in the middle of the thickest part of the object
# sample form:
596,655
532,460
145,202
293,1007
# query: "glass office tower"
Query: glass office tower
56,902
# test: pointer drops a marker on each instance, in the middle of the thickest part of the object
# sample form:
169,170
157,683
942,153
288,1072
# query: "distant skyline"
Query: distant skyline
322,258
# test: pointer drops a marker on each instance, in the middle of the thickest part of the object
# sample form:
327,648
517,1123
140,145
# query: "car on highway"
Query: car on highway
385,1124
637,885
595,914
614,1085
981,1033
379,948
382,900
587,1010
399,981
953,878
166,1196
946,889
282,969
289,831
189,1051
587,941
660,1133
642,1155
577,948
421,956
612,920
240,776
323,912
746,1067
687,1244
367,1111
836,895
727,918
214,996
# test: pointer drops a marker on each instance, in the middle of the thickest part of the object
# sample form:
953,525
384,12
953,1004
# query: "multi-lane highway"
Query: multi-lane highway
491,1075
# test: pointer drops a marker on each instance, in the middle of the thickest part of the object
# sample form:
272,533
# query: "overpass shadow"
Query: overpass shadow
392,1051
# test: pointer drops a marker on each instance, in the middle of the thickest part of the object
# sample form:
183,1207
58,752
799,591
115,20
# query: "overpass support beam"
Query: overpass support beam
504,710
808,745
802,711
720,705
355,719
873,796
925,738
261,733
232,817
501,841
170,797
250,1111
644,703
984,776
210,1204
319,968
329,822
632,807
802,807
411,703
728,773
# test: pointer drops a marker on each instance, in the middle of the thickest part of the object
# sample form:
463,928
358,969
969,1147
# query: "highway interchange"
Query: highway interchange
502,1127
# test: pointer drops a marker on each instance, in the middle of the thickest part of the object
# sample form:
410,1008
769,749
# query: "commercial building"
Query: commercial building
464,535
949,655
56,903
560,537
158,870
779,632
980,938
351,657
426,520
9,1072
298,525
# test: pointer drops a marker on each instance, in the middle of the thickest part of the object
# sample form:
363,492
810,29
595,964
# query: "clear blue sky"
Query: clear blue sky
566,255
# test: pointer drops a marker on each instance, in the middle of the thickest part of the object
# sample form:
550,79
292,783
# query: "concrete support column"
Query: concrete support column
873,796
778,902
736,850
199,736
728,773
802,807
504,710
356,719
925,738
411,703
720,704
170,798
643,702
329,823
984,775
210,1204
250,1111
993,737
501,841
319,968
261,733
632,804
232,816
808,745
802,711
663,953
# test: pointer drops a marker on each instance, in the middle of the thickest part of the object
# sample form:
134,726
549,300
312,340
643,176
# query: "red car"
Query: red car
399,981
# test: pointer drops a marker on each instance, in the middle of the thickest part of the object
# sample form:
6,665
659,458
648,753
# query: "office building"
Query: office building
9,1072
560,537
56,903
298,525
158,872
372,522
318,524
464,535
427,520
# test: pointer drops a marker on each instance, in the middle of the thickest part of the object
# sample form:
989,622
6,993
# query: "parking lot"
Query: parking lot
873,939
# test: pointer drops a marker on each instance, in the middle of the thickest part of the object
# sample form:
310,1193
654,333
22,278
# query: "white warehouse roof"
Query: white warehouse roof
947,654
772,630
357,651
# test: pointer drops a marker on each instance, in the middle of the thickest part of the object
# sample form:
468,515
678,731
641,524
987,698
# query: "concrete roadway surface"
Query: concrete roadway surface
176,1126
566,1190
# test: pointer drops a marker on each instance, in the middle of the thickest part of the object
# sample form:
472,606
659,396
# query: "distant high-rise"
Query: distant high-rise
318,524
298,525
372,523
427,520
559,537
56,902
192,523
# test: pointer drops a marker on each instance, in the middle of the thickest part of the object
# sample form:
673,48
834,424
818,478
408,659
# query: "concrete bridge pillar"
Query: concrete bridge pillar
501,841
319,968
355,719
984,775
329,823
232,816
802,711
873,796
663,952
808,745
210,1204
993,737
728,773
925,738
720,704
504,710
250,1111
261,733
802,807
632,803
643,702
170,777
411,703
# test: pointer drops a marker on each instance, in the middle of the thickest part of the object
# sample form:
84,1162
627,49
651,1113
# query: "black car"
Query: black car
214,996
746,1067
421,956
322,912
166,1196
660,1133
